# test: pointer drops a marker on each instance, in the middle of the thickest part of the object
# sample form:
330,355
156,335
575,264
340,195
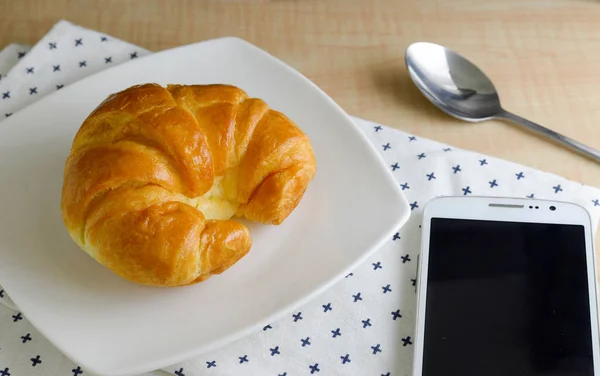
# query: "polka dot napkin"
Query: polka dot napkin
361,326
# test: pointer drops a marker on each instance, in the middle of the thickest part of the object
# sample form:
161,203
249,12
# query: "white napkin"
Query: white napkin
361,326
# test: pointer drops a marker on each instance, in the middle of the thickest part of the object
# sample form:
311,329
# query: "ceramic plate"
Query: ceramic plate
112,327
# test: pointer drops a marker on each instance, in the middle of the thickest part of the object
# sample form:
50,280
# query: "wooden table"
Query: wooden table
543,56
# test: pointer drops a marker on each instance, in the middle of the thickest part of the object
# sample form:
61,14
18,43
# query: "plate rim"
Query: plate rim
387,177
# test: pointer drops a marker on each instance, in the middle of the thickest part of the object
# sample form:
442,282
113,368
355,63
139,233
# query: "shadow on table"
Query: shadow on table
395,83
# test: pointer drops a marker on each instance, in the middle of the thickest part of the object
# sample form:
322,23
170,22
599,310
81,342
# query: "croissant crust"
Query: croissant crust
155,176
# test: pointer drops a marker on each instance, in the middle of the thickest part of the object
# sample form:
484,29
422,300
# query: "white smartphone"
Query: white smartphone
506,287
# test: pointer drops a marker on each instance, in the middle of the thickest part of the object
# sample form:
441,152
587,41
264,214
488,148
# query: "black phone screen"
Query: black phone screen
507,299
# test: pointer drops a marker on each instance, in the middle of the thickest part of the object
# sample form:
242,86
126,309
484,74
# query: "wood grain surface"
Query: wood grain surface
543,56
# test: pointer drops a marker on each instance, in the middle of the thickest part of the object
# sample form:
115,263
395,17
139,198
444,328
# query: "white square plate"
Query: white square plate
112,327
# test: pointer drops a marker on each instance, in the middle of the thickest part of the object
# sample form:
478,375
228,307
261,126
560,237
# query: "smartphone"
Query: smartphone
506,287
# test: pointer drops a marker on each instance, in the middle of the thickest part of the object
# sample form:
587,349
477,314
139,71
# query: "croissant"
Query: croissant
155,176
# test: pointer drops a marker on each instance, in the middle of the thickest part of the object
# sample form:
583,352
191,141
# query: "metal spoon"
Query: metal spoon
459,88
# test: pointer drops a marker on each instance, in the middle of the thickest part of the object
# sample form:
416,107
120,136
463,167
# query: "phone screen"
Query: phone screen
506,298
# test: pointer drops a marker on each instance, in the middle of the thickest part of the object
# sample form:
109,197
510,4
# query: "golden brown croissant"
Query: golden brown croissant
155,174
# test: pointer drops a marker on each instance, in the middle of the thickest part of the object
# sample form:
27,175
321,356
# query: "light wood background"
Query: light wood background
543,56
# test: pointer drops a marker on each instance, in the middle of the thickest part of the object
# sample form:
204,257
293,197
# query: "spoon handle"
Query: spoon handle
569,142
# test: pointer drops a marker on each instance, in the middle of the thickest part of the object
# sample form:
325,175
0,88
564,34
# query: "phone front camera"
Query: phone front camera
553,208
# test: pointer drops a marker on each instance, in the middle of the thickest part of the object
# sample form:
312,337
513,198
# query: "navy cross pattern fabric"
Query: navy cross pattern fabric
363,325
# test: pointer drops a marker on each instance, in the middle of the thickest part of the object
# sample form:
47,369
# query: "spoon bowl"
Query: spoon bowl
451,82
459,88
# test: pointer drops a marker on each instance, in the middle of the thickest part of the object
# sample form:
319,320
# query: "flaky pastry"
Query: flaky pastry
155,176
